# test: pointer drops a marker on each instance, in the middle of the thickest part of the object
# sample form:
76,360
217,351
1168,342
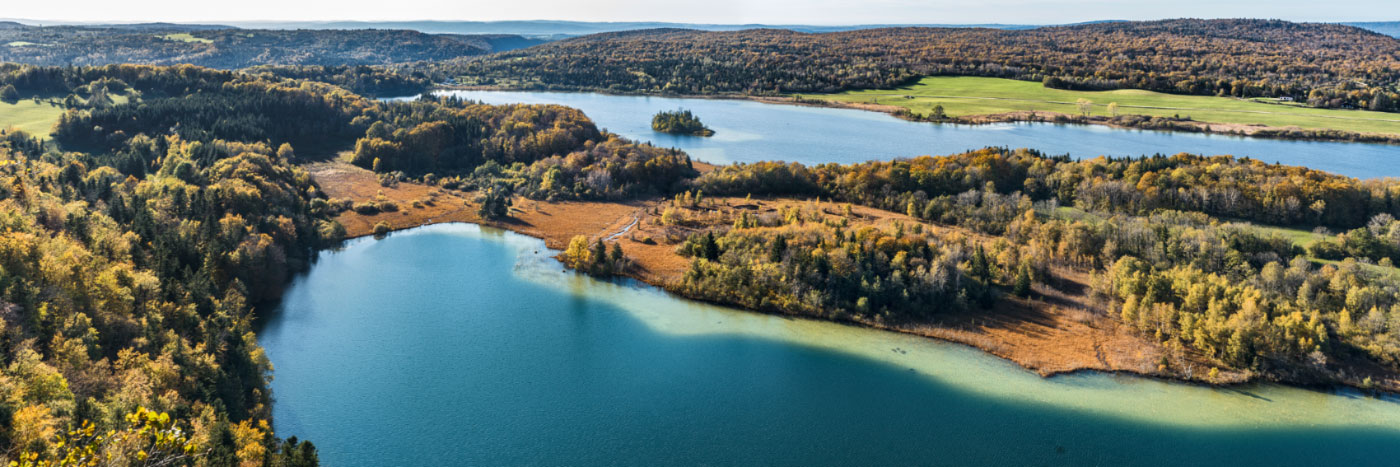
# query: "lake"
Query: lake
748,131
460,345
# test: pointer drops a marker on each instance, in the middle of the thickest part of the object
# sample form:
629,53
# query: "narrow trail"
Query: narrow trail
635,219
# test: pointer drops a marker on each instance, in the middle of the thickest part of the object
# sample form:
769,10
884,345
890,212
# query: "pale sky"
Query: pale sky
826,12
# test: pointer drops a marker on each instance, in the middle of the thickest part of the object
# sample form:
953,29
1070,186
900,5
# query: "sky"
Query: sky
823,12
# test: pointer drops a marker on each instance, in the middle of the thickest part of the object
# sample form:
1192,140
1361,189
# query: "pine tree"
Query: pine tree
710,247
1022,287
978,267
775,253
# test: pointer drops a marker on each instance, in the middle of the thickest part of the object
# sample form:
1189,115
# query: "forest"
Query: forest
131,267
830,272
546,152
124,297
1323,65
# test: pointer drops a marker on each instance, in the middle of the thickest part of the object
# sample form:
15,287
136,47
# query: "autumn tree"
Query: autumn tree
9,94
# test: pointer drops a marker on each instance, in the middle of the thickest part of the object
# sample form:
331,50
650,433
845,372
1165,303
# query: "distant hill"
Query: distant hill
231,48
1389,28
505,42
535,29
1235,57
560,29
165,27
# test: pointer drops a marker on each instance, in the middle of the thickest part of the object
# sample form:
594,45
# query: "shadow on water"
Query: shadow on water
1246,393
429,348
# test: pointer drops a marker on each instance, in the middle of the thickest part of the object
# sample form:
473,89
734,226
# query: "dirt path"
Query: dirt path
635,219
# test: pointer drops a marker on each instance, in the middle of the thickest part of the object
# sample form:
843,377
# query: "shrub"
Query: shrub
367,208
330,231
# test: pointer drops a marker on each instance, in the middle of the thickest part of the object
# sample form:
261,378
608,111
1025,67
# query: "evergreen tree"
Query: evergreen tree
1022,286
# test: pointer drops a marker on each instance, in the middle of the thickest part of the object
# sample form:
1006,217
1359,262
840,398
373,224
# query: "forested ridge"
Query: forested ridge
230,48
339,57
1324,65
44,82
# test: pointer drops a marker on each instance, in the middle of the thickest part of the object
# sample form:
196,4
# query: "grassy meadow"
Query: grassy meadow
186,37
34,118
966,95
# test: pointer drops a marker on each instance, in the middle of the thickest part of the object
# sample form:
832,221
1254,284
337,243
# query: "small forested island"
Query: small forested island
681,122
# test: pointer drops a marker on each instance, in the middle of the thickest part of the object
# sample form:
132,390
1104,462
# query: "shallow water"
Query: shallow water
460,345
747,131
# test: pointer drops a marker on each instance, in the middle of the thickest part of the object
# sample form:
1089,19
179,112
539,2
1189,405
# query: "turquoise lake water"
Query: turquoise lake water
459,345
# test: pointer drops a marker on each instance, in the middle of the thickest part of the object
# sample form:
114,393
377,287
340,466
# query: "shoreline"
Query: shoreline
1125,121
1035,334
1041,372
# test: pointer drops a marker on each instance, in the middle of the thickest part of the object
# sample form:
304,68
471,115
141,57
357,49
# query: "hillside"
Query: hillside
1326,65
555,28
231,48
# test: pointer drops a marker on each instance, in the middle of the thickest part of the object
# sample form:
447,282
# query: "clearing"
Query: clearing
34,118
186,37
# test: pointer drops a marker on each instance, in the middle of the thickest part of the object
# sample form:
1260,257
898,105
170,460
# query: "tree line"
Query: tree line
1222,186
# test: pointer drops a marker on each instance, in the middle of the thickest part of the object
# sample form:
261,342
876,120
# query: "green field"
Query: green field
35,119
963,95
1299,237
186,37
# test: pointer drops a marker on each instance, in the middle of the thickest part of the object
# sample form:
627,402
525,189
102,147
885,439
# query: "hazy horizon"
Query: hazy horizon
719,12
